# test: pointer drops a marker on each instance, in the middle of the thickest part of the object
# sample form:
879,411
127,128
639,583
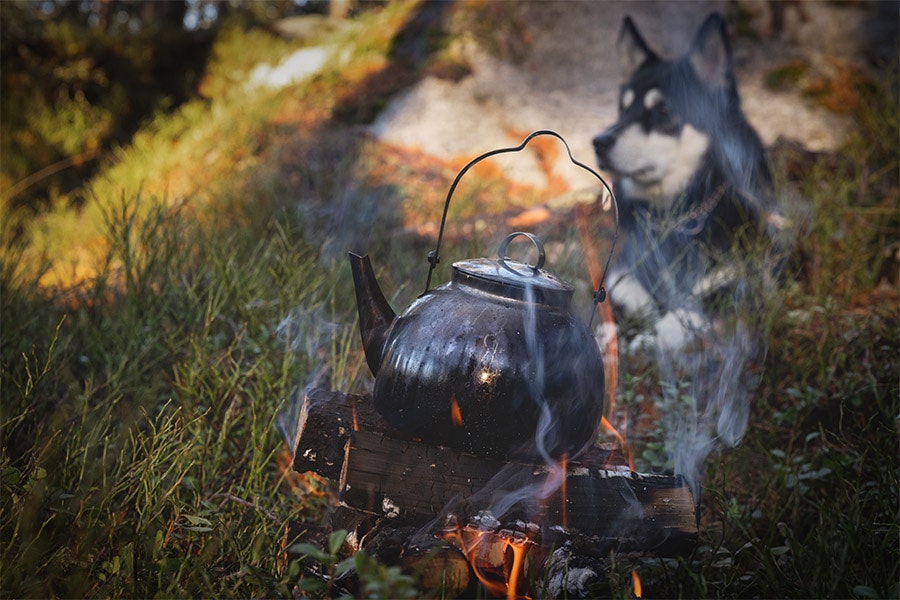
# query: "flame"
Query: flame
355,423
604,309
611,352
481,548
562,492
469,542
284,462
301,485
518,551
636,584
455,413
626,447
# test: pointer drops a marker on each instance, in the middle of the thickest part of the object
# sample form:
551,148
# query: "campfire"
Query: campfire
440,499
475,460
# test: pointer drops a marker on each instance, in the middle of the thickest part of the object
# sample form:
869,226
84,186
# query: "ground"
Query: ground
560,71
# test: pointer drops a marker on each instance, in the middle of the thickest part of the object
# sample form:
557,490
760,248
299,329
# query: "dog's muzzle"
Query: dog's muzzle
603,143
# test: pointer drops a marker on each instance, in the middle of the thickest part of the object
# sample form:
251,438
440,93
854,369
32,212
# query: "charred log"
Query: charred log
390,477
459,520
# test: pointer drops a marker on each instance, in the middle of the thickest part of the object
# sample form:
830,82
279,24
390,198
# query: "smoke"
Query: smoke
504,490
507,491
707,358
536,356
696,266
339,211
315,345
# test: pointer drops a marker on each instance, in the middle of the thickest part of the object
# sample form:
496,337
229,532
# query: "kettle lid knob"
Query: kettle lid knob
512,279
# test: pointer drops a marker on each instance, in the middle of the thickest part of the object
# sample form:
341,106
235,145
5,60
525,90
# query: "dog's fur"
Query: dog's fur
690,176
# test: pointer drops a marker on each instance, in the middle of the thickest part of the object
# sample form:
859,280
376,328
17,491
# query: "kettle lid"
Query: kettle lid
513,279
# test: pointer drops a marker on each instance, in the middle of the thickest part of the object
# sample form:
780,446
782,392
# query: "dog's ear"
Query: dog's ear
710,55
633,50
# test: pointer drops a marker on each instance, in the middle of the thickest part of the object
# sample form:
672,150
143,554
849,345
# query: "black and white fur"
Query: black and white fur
690,176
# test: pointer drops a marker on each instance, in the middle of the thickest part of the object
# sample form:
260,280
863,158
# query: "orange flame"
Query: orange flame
284,463
562,491
604,309
518,551
487,553
636,584
469,542
300,485
611,352
455,413
626,448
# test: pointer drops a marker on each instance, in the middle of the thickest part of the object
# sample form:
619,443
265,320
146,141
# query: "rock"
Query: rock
567,77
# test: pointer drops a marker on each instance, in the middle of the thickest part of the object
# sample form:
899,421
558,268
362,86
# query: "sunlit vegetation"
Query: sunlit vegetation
163,309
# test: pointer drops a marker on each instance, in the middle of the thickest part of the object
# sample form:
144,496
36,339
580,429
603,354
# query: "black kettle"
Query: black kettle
493,362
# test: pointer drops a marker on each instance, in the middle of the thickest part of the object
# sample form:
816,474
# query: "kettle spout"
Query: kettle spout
375,314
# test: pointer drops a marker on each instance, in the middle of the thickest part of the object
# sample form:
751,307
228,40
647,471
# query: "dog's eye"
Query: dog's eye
664,118
661,110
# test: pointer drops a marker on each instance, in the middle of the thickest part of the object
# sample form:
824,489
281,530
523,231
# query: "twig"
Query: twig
70,161
234,498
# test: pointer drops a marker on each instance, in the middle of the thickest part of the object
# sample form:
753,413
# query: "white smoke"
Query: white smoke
503,496
706,362
316,345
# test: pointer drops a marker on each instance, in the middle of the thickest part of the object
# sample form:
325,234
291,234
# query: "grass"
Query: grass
139,428
143,402
807,505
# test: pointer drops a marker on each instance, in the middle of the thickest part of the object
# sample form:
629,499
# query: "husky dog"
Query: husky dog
691,179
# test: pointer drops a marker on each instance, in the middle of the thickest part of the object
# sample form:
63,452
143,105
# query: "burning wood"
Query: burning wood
325,423
402,478
388,480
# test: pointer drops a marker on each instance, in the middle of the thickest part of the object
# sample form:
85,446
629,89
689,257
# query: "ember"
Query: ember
388,480
455,414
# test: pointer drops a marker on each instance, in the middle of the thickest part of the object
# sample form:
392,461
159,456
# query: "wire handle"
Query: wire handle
434,256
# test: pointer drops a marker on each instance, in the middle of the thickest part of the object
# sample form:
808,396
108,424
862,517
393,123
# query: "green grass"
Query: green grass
142,452
139,427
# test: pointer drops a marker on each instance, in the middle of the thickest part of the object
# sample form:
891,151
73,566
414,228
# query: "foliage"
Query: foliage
72,92
146,402
373,579
220,151
139,424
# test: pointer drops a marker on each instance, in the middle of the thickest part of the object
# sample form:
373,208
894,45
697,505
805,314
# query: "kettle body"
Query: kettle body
492,362
491,375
